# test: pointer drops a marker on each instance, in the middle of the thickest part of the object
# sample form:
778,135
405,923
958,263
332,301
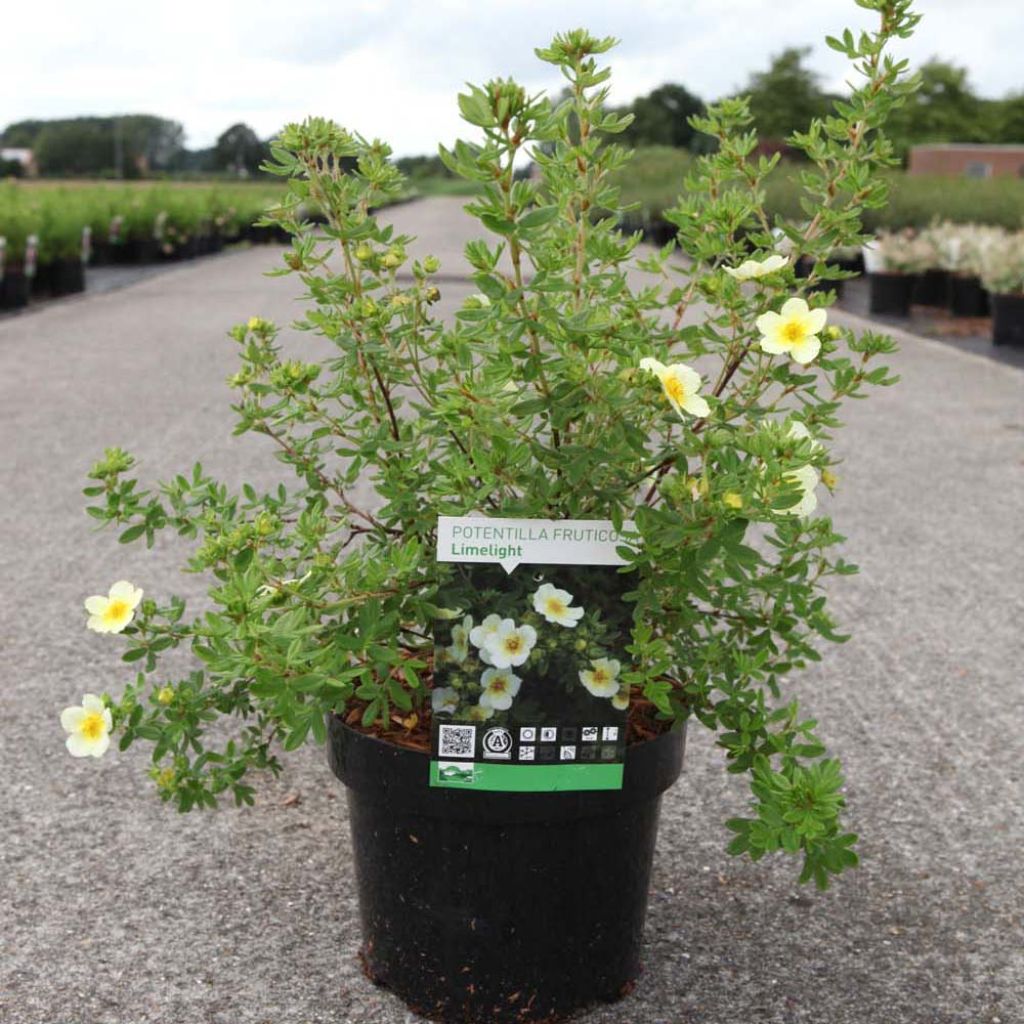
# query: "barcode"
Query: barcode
456,740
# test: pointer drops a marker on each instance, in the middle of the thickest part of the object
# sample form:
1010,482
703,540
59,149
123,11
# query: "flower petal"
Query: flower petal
71,718
816,320
773,346
90,702
768,323
806,350
794,307
652,365
96,605
696,406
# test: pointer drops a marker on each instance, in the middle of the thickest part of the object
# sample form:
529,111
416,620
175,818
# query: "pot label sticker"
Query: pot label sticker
528,692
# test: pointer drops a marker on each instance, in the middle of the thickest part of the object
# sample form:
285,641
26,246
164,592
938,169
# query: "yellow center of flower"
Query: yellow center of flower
793,332
93,726
116,610
513,643
555,606
674,388
498,685
601,676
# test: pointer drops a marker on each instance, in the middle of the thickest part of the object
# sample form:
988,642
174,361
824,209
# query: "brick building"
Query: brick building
967,160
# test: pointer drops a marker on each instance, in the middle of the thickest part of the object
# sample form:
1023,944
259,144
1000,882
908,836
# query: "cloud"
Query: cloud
393,68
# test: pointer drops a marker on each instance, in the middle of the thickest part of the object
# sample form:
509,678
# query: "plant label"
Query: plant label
529,694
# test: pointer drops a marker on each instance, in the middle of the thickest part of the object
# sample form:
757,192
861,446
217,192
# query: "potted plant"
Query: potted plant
962,253
560,392
1002,273
893,261
61,267
932,285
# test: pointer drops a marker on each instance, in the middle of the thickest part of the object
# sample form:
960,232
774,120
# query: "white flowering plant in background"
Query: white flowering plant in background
568,386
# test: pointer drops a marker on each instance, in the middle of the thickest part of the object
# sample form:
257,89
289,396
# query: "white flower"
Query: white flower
793,331
444,700
500,686
480,636
680,384
553,604
602,679
510,645
88,727
750,269
459,649
621,700
112,613
480,713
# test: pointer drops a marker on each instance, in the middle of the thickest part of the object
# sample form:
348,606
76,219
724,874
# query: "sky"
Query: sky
392,69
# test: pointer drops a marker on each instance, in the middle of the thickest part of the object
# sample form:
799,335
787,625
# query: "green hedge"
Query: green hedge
655,176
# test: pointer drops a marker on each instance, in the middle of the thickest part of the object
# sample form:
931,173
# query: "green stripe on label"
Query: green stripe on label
525,778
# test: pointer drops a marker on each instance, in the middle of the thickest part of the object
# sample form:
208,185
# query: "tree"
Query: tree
21,134
661,118
81,146
787,96
944,109
239,150
1009,119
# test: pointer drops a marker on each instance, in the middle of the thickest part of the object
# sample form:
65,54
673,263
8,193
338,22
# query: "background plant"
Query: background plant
530,404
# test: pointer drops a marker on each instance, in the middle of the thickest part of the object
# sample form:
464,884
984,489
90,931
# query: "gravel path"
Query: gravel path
116,910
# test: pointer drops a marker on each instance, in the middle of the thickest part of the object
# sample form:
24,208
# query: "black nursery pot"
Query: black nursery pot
966,296
14,289
930,288
67,277
1008,319
890,293
502,908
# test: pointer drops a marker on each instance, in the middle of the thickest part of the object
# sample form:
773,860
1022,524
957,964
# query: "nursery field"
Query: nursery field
118,909
50,231
654,177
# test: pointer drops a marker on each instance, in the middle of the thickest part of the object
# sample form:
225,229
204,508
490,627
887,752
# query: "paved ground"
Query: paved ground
117,911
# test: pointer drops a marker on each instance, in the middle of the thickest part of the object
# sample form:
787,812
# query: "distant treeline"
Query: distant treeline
783,99
129,146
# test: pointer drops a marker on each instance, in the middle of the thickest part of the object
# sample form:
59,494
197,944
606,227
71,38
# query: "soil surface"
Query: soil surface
116,910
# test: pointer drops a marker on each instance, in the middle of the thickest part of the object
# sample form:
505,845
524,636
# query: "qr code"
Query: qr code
456,741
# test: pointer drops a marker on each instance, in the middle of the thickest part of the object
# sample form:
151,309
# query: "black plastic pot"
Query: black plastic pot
966,297
14,288
1007,319
890,293
504,908
66,277
931,288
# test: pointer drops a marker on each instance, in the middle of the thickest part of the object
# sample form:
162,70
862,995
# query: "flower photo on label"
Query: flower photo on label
554,604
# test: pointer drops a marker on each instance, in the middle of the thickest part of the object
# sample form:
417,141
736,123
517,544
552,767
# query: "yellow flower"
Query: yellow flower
255,323
165,695
750,269
112,613
88,727
602,679
793,331
732,499
680,384
829,479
